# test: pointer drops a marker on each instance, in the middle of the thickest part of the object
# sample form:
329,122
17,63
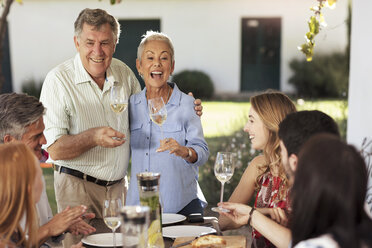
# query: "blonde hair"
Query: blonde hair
17,176
272,107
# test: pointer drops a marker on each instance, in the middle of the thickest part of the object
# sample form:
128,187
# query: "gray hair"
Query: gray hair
17,112
153,35
97,18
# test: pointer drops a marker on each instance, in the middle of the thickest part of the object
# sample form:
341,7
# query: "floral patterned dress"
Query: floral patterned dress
268,197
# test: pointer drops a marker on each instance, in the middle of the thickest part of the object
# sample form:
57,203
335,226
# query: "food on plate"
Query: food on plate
208,241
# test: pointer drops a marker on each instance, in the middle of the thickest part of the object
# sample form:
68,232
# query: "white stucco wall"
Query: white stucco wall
359,125
206,33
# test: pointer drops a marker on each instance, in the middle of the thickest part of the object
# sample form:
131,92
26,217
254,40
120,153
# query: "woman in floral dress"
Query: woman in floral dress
265,173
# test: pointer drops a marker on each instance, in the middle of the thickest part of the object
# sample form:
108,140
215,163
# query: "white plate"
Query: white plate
172,218
186,231
103,240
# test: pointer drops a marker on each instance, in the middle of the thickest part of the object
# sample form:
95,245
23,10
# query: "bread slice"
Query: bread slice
208,241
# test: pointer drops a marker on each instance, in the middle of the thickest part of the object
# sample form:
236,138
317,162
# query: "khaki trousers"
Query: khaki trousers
72,191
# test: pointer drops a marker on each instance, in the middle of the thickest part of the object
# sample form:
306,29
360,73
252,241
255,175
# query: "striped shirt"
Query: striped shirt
75,103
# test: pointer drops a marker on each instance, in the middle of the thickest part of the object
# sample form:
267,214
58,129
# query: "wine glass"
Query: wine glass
118,100
157,112
223,170
111,215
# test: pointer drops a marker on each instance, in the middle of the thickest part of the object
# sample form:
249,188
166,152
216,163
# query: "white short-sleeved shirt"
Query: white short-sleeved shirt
75,103
324,241
43,208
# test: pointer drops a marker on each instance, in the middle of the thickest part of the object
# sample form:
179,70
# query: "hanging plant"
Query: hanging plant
316,22
113,1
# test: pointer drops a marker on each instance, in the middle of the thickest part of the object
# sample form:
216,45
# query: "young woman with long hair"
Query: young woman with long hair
265,174
328,196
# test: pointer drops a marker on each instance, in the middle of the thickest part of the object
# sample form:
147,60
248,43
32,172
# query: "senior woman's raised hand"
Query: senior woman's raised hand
173,147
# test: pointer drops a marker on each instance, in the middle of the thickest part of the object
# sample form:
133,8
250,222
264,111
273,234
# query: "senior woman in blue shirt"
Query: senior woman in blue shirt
178,157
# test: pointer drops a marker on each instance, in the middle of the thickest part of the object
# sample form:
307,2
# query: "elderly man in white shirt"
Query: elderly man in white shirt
78,119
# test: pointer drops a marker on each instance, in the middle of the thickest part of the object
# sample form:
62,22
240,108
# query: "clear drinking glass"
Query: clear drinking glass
135,225
157,112
111,215
223,170
118,101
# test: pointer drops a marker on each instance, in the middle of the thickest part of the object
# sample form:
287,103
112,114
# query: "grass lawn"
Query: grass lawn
48,175
223,118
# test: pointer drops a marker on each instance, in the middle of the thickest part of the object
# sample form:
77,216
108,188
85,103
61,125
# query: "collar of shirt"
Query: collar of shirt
175,98
82,76
109,80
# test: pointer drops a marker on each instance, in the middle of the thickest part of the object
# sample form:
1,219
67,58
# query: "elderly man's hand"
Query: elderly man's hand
108,137
198,105
82,227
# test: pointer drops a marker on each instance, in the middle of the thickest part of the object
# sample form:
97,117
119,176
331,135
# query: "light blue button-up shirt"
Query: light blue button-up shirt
179,179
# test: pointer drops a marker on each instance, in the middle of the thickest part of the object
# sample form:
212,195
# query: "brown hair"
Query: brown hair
17,176
272,107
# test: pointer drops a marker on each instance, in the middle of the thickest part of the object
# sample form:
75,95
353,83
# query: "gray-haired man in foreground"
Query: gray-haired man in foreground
21,118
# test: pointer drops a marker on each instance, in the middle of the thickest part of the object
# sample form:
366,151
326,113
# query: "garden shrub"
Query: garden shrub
32,87
197,82
325,76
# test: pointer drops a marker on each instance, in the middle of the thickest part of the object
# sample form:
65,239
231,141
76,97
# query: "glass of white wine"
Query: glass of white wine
111,215
118,100
223,170
157,112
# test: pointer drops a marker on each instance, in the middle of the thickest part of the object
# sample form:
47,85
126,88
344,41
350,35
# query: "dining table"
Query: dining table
211,222
182,236
208,221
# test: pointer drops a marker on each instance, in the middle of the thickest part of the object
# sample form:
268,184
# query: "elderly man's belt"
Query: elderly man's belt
83,176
